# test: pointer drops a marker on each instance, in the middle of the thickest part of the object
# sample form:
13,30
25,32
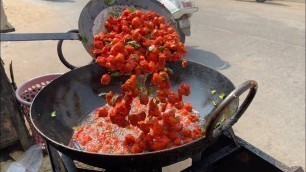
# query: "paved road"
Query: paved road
241,39
264,42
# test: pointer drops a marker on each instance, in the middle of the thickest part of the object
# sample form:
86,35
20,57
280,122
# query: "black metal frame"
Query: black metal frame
237,145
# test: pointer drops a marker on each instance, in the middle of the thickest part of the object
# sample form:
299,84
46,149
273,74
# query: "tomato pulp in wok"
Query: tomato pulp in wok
100,135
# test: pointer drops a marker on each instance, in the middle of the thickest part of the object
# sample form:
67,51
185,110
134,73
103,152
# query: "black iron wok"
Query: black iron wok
75,94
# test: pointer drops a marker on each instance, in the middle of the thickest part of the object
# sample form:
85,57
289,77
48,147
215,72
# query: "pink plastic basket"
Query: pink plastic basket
28,90
25,94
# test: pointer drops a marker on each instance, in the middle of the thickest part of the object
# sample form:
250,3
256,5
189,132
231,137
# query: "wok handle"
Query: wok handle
60,51
211,132
38,36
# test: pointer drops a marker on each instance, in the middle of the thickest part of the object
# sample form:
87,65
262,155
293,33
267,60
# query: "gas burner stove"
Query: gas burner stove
228,153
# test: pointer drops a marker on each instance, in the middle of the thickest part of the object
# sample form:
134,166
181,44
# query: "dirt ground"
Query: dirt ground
285,142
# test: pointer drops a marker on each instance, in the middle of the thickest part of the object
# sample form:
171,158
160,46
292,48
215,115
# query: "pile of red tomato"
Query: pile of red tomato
137,42
140,43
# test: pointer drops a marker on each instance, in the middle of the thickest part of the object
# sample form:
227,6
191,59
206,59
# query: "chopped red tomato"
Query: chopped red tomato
184,63
137,33
106,78
136,120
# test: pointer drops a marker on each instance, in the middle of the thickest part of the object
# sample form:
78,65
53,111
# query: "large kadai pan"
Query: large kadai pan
75,93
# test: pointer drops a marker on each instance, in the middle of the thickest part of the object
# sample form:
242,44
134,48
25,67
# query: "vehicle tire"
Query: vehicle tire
261,1
182,36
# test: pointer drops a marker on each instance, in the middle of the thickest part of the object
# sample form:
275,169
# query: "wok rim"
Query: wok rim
48,139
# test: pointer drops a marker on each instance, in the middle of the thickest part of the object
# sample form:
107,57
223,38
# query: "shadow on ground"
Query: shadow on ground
270,2
206,58
60,0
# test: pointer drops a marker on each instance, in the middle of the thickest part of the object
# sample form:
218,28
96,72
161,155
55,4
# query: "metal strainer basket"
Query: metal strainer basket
25,95
96,12
91,22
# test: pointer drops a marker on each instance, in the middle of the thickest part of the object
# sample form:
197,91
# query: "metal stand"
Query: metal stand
55,159
231,133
